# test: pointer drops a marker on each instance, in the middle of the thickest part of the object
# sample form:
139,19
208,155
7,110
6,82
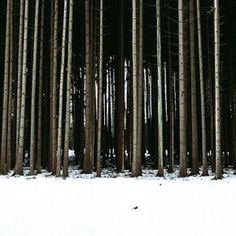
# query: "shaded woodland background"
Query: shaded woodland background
117,126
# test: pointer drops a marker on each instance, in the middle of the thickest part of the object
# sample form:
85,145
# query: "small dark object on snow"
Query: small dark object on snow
135,208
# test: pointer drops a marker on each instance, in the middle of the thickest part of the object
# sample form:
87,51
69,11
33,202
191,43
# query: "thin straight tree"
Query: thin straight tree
5,95
159,92
33,90
68,90
140,81
10,110
135,161
218,174
19,73
59,129
171,118
100,90
87,163
182,91
19,157
53,91
119,93
194,122
202,92
40,92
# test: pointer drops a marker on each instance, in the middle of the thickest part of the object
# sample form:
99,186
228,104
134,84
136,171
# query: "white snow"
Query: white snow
88,206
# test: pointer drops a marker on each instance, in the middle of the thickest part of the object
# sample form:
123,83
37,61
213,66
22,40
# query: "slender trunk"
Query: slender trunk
135,169
9,116
87,164
170,100
194,120
217,91
19,74
68,89
100,93
159,87
59,129
53,105
202,91
33,91
40,93
140,87
182,92
120,145
5,95
19,158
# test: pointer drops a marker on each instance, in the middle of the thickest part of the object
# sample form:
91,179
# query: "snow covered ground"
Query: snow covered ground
118,205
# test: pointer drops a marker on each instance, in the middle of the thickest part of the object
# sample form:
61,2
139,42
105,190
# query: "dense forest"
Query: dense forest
127,84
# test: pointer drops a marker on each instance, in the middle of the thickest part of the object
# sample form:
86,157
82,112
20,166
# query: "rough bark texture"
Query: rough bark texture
182,92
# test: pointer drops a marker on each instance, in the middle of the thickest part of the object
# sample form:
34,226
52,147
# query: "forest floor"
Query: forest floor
117,205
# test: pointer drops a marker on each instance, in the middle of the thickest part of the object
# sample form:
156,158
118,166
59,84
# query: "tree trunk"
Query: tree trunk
53,92
100,93
182,91
33,91
159,87
136,171
19,74
194,120
202,91
59,129
87,164
5,94
218,174
68,89
40,93
19,158
9,116
120,145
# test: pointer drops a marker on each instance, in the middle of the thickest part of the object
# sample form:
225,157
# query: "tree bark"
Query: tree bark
19,158
160,92
68,91
202,91
182,91
60,112
33,90
87,164
194,120
40,92
218,174
100,92
3,167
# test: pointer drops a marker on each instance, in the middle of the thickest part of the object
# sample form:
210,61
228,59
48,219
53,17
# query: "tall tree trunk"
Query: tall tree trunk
120,145
170,98
202,91
53,92
218,174
140,86
5,94
159,87
33,90
194,120
100,92
19,158
9,116
136,171
182,91
59,129
87,164
68,91
19,74
40,93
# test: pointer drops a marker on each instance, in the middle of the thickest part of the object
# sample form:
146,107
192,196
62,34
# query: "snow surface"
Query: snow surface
84,205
